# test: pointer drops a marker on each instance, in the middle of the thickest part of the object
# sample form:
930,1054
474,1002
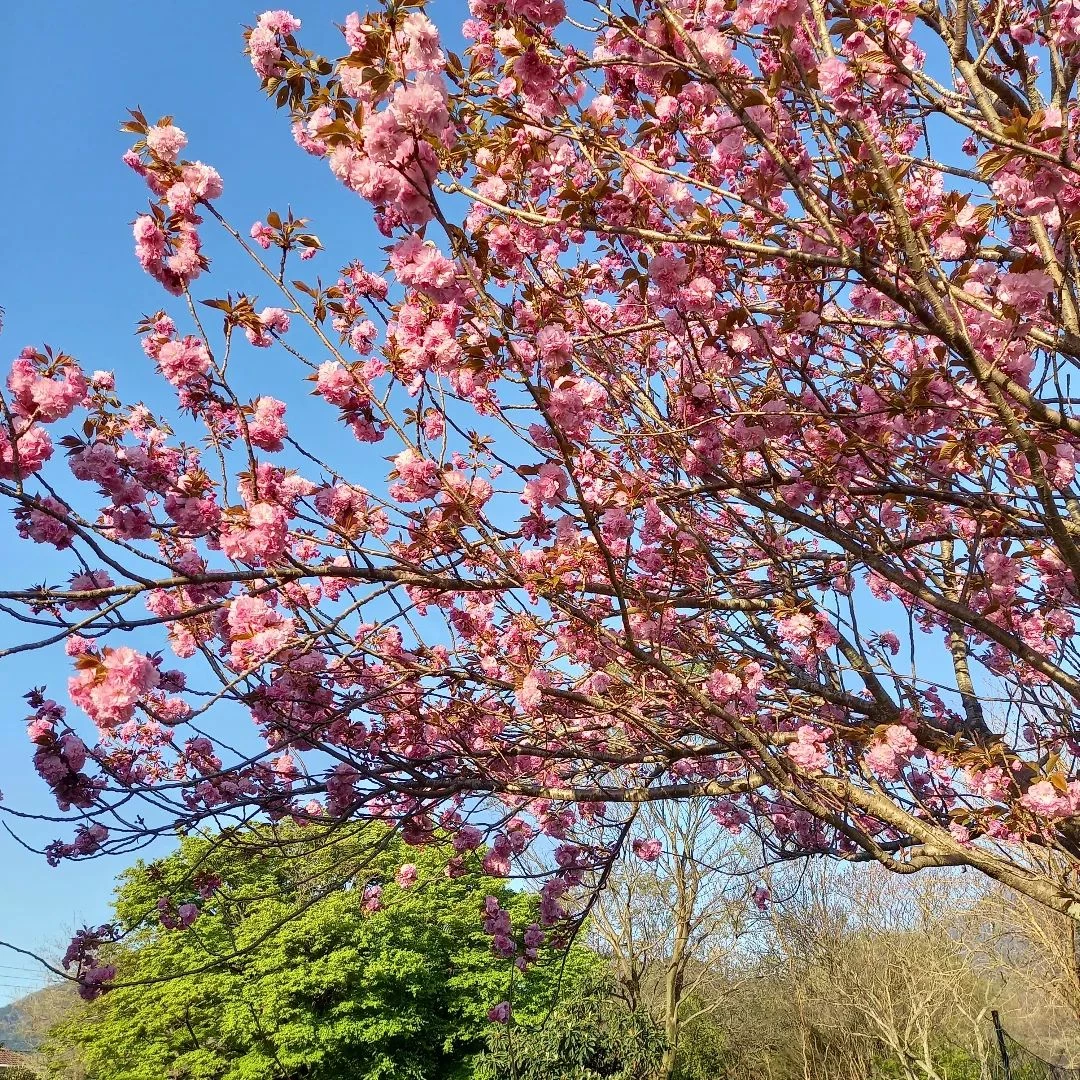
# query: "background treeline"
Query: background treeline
318,960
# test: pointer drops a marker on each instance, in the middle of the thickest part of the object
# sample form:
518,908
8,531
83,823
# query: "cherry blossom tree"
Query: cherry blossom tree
708,434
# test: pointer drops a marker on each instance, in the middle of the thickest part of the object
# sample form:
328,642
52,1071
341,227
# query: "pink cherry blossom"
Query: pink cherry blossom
166,142
262,234
267,427
648,850
406,876
108,688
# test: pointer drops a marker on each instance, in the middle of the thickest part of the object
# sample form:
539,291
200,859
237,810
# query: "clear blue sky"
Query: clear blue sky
68,278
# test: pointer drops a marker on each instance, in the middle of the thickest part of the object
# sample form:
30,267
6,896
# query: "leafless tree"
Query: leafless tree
678,929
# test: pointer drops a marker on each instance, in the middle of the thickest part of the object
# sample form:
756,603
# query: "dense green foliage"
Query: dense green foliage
286,974
589,1035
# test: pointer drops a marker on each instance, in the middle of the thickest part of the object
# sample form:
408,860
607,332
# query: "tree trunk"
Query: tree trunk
671,1019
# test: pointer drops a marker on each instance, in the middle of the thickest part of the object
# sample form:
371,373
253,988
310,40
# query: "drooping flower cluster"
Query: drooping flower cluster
167,241
82,956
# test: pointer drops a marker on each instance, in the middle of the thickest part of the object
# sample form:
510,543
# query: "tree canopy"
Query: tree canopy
707,434
313,960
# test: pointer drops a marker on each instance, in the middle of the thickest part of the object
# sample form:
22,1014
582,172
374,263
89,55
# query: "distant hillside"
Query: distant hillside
11,1034
23,1023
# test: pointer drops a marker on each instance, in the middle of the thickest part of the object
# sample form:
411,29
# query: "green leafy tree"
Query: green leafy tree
305,960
